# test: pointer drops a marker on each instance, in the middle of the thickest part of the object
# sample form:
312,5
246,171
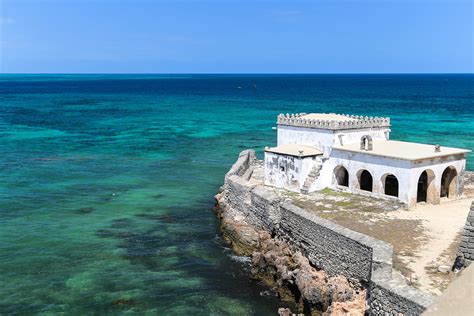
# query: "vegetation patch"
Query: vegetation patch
366,215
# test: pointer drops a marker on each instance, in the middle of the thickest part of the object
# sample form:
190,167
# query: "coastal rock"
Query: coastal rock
287,312
354,307
284,312
289,271
312,289
241,237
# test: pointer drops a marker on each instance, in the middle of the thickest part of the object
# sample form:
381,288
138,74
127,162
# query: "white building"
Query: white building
354,153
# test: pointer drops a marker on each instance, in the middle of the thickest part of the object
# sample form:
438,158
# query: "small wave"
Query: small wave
268,293
241,259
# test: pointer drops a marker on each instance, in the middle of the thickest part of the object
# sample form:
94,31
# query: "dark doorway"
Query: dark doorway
366,182
422,187
342,176
426,188
448,183
391,185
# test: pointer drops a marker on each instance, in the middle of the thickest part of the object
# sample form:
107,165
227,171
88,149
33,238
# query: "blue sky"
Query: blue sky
226,36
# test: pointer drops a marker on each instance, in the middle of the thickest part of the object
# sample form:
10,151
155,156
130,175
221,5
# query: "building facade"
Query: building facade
355,154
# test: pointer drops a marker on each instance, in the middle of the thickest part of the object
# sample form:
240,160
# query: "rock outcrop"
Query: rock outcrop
288,271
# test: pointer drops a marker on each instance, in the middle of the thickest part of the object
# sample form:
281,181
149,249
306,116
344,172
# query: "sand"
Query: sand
441,224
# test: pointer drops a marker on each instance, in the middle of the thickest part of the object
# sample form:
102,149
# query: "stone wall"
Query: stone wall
329,246
469,178
467,238
390,295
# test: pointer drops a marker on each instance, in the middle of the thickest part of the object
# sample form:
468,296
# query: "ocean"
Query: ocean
107,182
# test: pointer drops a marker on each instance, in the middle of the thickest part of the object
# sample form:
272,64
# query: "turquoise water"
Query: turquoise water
107,187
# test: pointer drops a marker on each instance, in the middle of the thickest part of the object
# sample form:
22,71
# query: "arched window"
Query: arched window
449,182
342,176
365,181
390,183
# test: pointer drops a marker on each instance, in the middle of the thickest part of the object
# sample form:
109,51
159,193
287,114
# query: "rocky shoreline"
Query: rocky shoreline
287,270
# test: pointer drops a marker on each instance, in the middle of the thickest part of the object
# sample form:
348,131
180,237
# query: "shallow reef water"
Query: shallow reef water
107,181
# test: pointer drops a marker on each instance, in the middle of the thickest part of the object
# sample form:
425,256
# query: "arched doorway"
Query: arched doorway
426,187
449,182
342,176
365,181
390,184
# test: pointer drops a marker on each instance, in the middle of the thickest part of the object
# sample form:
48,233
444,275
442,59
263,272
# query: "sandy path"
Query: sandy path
441,222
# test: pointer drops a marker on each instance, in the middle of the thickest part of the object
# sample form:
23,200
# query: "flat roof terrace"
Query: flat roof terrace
402,150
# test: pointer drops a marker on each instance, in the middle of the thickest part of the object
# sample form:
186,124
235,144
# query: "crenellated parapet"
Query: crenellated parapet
344,122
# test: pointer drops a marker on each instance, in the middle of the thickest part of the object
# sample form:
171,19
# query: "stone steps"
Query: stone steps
312,176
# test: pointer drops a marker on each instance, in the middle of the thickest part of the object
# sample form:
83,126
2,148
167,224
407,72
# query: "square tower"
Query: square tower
323,131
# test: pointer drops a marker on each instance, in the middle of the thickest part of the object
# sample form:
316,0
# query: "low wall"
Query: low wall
390,295
466,247
329,246
469,178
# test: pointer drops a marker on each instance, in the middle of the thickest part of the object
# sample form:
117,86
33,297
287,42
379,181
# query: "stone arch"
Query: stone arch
449,183
342,176
366,181
390,184
366,142
426,191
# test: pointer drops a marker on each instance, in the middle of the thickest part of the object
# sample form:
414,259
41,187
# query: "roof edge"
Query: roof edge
357,122
461,151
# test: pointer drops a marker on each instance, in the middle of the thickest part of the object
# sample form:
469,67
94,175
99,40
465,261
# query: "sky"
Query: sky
227,36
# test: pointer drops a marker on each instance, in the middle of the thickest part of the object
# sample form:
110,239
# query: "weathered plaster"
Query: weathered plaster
292,172
289,172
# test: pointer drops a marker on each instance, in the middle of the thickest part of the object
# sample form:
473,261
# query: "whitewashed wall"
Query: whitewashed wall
294,175
319,138
377,166
298,169
438,166
406,172
324,139
354,136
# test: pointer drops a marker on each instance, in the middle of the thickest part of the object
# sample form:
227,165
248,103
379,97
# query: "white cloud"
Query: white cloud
6,20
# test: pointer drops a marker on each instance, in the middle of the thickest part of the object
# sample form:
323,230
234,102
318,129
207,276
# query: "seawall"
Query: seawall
328,246
466,247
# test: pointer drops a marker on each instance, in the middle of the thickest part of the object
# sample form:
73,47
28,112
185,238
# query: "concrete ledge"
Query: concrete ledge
246,158
389,293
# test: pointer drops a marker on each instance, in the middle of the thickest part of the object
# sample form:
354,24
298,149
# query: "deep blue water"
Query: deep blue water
107,181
